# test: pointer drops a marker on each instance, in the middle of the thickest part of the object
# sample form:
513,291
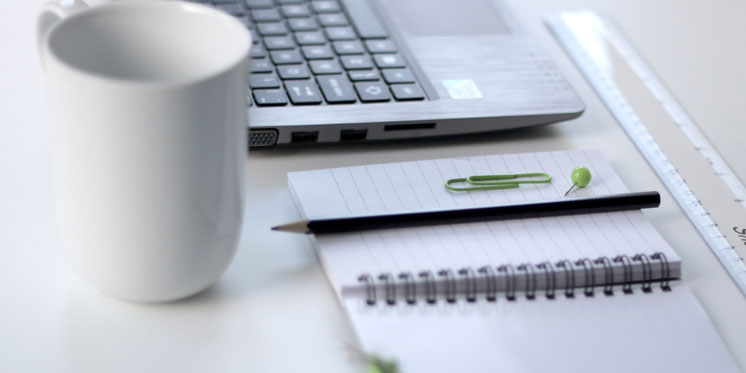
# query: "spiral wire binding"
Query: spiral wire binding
551,278
647,272
566,265
665,270
530,276
608,274
527,272
626,271
510,280
491,280
590,276
471,284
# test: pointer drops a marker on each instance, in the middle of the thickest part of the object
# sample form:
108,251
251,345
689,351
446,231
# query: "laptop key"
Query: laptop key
264,81
293,72
365,21
317,52
393,76
361,62
246,21
295,11
321,67
278,42
404,92
285,57
261,66
286,2
348,47
257,51
326,7
380,46
303,92
336,89
256,4
270,97
340,33
231,8
363,75
334,19
372,92
303,24
310,38
384,61
272,29
265,15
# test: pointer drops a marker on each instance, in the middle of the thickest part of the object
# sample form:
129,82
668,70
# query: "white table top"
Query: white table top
273,311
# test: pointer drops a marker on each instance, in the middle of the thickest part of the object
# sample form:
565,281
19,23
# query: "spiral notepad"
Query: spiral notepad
441,288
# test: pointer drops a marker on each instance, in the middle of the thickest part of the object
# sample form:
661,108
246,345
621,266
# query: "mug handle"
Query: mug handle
50,14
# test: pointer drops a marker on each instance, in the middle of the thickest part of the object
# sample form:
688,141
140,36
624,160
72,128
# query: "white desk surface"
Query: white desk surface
273,310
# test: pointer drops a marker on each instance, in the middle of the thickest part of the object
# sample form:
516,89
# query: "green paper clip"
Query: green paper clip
490,182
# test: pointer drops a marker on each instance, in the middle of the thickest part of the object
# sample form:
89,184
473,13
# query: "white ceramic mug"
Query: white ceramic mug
147,103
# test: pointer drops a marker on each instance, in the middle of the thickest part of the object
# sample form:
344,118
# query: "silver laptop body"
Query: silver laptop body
478,69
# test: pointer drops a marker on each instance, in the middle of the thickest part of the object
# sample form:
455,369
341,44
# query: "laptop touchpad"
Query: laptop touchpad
446,17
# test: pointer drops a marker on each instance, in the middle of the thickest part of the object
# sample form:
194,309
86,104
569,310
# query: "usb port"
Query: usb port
304,136
350,135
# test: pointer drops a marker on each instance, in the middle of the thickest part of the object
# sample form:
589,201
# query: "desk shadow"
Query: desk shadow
497,137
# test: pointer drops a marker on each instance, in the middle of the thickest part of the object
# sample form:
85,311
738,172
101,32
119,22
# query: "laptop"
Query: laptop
326,71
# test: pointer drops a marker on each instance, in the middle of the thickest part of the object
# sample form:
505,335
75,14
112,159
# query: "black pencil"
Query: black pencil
609,203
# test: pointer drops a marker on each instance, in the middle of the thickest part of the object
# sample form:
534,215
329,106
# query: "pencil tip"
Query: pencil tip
276,228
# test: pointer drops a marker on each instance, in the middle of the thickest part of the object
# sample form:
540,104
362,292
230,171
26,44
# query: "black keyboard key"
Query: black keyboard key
278,42
272,29
365,21
219,2
363,75
262,65
336,89
360,62
340,33
235,9
264,81
348,47
372,92
380,46
293,72
317,52
320,67
385,61
295,11
265,15
256,4
246,21
303,92
270,97
393,76
404,92
326,7
257,51
334,19
285,2
285,57
303,24
310,38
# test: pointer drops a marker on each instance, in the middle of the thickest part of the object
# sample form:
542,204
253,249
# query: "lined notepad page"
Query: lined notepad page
420,185
639,332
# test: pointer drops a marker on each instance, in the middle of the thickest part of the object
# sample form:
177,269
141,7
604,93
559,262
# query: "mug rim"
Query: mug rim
242,51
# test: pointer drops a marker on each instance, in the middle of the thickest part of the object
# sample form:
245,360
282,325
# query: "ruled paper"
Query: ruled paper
415,185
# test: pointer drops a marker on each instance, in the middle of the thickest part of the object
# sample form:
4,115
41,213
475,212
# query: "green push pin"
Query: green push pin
580,177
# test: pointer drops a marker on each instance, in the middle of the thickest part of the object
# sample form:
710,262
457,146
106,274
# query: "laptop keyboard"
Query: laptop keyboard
315,52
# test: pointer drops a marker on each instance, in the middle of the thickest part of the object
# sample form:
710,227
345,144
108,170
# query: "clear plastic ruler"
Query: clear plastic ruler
706,188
